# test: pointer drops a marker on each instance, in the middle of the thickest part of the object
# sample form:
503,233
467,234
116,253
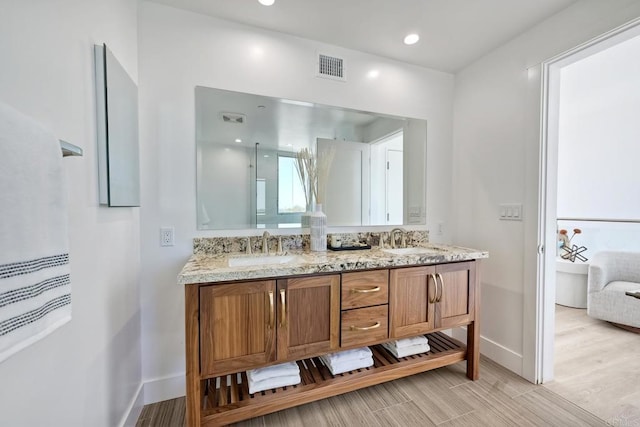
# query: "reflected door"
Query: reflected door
347,188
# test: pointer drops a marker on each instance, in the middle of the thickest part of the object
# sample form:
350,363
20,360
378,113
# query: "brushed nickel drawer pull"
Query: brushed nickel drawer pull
365,291
435,292
441,287
271,310
283,307
365,328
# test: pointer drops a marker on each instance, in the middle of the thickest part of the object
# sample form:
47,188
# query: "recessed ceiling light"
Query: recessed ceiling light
373,74
411,39
266,2
238,140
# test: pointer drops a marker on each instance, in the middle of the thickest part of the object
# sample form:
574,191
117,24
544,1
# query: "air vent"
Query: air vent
331,67
233,118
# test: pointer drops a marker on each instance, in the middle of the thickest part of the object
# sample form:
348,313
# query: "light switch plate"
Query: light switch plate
510,211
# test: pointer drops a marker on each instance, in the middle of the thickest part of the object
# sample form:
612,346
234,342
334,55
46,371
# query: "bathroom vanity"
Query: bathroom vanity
298,306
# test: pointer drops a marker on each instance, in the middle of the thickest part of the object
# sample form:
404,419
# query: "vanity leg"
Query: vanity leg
195,392
473,351
473,330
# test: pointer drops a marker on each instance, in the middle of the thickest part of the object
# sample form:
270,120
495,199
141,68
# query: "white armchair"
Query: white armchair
611,274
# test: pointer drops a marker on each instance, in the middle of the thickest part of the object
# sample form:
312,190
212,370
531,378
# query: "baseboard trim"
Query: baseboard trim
165,388
494,351
134,409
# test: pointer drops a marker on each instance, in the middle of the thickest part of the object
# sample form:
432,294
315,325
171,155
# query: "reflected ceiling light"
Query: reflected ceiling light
292,102
266,155
411,39
266,2
238,140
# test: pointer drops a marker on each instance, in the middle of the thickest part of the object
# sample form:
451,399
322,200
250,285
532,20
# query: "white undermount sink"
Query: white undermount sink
244,261
413,251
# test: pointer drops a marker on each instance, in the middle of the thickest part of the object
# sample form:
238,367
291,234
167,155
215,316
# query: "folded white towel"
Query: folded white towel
407,351
408,342
347,365
275,382
35,287
281,370
357,353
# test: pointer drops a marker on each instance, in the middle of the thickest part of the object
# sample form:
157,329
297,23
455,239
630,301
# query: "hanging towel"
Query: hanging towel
283,369
35,289
274,382
407,351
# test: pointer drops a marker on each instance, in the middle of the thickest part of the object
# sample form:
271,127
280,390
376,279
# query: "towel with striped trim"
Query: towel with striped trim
35,286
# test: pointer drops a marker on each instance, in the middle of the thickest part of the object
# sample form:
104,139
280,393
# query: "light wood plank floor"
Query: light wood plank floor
443,397
597,366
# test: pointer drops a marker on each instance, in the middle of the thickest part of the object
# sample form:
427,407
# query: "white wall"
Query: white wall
599,134
495,161
88,372
179,50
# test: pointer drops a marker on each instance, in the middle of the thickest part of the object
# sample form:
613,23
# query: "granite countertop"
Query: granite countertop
206,268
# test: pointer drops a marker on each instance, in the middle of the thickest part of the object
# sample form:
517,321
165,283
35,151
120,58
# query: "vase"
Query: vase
318,226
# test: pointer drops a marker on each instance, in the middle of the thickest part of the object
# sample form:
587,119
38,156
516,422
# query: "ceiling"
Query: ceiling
453,33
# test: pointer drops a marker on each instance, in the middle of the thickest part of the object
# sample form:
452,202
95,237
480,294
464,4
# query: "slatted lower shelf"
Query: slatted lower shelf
227,398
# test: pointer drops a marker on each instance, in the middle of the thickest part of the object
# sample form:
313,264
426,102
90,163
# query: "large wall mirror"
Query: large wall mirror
246,149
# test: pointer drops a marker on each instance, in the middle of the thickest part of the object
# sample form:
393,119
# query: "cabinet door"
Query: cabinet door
411,297
456,294
308,316
237,326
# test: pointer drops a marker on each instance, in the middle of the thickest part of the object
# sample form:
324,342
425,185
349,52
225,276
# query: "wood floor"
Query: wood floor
597,366
443,397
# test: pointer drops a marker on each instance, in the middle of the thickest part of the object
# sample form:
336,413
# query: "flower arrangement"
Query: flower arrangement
571,252
313,172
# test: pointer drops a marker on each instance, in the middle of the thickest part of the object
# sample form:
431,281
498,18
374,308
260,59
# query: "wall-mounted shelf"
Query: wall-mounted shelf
69,149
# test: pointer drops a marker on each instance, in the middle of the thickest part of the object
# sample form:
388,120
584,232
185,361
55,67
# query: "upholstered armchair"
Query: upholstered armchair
611,274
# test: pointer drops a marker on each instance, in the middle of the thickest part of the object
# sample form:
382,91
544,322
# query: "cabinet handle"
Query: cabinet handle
365,328
283,307
271,310
435,292
365,291
441,287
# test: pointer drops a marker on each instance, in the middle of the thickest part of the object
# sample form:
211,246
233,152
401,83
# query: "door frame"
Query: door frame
539,368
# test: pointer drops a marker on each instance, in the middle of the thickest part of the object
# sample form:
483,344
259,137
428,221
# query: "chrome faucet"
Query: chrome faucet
248,249
403,239
265,242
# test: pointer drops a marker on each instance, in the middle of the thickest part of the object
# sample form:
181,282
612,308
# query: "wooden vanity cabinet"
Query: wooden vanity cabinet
237,326
427,298
308,316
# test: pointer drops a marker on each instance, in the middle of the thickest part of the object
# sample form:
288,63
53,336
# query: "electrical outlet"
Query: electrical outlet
166,236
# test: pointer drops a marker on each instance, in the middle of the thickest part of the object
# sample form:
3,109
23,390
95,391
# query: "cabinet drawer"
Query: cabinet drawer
364,325
365,288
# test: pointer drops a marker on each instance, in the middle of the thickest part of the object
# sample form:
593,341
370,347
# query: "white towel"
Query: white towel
407,351
408,342
347,365
357,353
281,370
275,382
35,290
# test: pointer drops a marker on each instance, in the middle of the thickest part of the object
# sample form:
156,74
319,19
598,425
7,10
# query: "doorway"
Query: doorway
552,132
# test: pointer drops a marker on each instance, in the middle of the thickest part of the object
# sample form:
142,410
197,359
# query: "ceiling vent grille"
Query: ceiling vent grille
331,67
233,118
